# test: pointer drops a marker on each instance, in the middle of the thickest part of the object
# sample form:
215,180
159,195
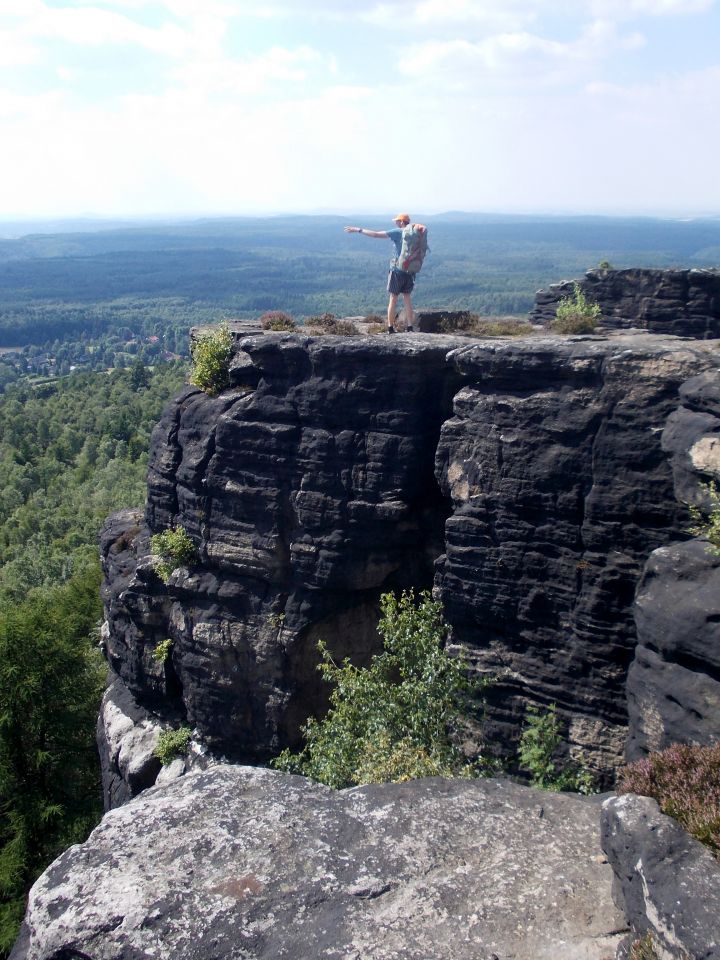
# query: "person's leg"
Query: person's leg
392,310
409,313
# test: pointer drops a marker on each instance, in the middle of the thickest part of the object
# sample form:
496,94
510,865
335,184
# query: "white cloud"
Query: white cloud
625,9
222,75
16,53
89,24
515,58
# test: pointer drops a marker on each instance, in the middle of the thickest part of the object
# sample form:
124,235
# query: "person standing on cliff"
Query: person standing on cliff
399,281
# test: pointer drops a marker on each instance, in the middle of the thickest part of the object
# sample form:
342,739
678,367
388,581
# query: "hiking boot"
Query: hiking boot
391,329
410,329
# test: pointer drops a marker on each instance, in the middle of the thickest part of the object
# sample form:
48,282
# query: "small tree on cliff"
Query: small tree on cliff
576,314
392,720
211,355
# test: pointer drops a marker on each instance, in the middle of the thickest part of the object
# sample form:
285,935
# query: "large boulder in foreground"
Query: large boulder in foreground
239,862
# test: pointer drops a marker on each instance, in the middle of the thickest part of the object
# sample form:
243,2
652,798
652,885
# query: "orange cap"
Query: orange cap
405,217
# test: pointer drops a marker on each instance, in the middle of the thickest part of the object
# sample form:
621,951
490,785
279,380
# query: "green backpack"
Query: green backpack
413,249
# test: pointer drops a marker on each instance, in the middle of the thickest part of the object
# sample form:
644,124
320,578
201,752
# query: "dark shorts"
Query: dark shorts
400,282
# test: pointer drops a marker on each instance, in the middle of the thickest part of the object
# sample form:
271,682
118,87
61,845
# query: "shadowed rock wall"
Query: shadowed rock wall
309,489
674,682
530,473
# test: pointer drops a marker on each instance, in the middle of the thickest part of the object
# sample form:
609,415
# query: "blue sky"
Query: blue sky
184,107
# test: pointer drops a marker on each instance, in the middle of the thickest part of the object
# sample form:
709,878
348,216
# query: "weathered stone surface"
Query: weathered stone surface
560,490
248,863
312,485
673,684
681,302
127,736
667,883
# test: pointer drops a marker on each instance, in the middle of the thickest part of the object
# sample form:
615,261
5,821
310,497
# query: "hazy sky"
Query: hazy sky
236,106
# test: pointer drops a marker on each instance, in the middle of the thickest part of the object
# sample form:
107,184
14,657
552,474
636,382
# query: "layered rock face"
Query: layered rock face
525,479
674,682
682,302
239,863
308,487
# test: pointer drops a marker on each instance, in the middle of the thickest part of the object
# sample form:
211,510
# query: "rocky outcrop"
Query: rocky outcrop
667,883
248,863
682,302
673,683
524,479
560,490
127,736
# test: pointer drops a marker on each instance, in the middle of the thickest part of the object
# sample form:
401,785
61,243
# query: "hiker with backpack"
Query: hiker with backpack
410,241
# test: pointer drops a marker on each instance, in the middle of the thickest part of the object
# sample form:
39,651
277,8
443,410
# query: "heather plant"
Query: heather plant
540,741
394,719
172,744
171,549
327,323
576,314
462,320
685,782
708,526
471,324
211,355
277,321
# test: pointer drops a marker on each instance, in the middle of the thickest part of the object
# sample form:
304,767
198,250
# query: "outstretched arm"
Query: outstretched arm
381,234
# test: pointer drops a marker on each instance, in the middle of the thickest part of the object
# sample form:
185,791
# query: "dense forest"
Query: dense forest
94,325
71,451
101,298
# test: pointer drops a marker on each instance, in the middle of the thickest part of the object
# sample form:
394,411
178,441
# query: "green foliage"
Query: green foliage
277,321
162,650
171,549
576,314
605,265
211,355
539,744
172,744
685,782
71,452
643,949
394,719
51,679
708,526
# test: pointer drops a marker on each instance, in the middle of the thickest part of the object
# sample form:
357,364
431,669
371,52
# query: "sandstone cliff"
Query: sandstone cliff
525,480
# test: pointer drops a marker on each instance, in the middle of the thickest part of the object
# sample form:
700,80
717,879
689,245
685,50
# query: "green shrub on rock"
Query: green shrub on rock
392,720
172,744
539,743
708,527
162,650
576,314
171,549
211,355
